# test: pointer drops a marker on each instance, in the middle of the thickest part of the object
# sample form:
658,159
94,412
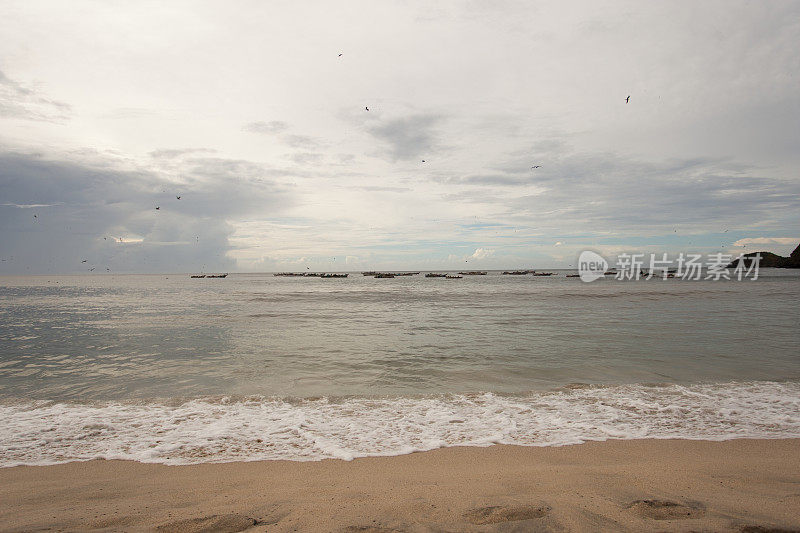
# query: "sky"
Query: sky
393,135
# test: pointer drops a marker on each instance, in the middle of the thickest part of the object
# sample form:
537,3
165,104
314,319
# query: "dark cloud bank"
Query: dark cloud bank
83,211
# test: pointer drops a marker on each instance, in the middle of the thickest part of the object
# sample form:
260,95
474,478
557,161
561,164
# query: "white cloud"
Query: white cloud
768,240
482,253
30,206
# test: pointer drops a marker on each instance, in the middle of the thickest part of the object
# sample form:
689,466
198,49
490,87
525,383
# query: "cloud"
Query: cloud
90,207
482,253
378,188
307,158
273,127
767,240
30,206
487,179
409,137
175,153
607,192
301,141
20,101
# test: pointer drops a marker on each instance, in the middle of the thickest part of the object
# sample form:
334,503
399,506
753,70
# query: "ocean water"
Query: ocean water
165,368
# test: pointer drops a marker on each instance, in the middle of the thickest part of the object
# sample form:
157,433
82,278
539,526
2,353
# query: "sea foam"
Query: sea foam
256,428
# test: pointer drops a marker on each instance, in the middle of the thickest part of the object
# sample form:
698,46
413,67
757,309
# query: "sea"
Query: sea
179,370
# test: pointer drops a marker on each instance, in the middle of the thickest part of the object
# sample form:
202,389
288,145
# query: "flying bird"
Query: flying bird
536,166
35,216
178,197
340,55
366,108
83,261
628,98
423,160
157,208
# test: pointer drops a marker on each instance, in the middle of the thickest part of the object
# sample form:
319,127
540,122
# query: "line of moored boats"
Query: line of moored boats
310,275
382,275
375,274
524,272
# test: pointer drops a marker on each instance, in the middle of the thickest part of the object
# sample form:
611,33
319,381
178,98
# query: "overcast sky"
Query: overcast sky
255,114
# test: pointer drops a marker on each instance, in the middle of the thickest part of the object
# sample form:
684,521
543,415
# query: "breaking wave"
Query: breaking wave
224,429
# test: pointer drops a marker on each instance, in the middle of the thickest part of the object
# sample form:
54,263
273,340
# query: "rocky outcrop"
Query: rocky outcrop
770,260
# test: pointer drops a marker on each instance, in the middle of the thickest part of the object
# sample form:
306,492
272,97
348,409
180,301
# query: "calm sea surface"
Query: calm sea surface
255,366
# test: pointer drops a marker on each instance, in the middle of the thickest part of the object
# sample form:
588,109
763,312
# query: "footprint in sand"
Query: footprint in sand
230,523
497,514
667,510
766,529
370,529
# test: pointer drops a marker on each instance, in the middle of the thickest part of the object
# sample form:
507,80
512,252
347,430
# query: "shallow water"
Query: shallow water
241,351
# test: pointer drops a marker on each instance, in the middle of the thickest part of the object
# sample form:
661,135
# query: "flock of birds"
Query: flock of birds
158,207
627,100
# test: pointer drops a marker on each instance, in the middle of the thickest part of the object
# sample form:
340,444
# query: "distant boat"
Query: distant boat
289,274
473,273
217,276
543,273
573,275
370,273
517,272
383,275
453,277
435,275
407,274
197,276
333,275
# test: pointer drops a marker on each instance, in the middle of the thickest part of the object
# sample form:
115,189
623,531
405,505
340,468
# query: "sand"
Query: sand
644,485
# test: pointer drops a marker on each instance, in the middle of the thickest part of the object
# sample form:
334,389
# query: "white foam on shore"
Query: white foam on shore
247,429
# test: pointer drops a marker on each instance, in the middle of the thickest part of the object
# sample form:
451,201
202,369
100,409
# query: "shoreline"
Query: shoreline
618,485
211,429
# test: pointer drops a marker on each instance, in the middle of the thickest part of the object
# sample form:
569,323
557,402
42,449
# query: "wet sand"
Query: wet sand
645,485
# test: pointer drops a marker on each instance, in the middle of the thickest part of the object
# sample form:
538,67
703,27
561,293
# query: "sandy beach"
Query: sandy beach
635,485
